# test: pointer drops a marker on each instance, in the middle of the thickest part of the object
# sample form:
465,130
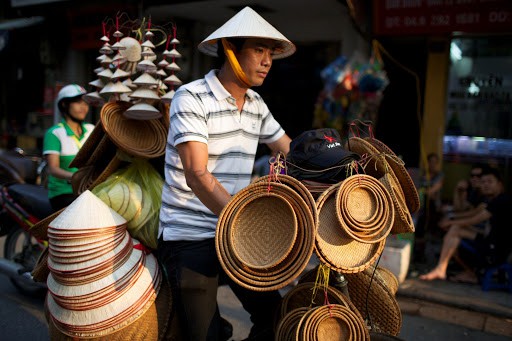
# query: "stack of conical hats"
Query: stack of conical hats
101,279
128,72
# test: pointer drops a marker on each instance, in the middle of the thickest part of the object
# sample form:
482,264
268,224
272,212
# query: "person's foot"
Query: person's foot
432,275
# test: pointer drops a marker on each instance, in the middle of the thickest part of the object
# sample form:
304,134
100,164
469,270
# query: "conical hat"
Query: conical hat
87,212
247,24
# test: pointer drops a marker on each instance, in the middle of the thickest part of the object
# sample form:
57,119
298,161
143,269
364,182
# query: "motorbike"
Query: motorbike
23,202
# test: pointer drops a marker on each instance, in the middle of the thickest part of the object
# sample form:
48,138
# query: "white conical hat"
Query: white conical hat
247,24
87,212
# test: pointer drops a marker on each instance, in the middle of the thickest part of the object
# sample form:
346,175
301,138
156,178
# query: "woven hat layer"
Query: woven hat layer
397,165
247,24
142,138
99,281
151,326
335,248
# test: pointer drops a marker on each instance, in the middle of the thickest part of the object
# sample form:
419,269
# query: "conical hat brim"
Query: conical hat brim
247,24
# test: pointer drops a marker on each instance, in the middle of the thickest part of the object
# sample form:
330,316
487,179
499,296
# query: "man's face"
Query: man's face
490,185
255,58
475,177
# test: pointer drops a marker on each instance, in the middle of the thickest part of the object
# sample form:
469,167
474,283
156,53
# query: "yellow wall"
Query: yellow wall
434,107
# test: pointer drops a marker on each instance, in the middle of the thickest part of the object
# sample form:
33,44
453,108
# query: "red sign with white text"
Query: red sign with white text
425,17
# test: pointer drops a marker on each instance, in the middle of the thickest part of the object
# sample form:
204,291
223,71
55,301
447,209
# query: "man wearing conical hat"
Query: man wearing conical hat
217,123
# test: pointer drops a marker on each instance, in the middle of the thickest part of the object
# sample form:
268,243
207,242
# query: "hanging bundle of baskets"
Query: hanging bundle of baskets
265,234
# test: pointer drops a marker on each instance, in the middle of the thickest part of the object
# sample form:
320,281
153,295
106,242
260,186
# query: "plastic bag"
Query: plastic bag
135,192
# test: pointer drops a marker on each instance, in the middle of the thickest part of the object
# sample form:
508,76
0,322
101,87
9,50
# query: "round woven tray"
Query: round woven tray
376,302
296,185
333,247
287,326
389,279
291,266
263,231
143,138
364,208
397,165
332,322
373,160
305,295
403,222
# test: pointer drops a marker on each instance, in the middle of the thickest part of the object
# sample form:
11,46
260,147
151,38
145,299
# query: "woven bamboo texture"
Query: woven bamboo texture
376,302
403,222
142,138
333,247
283,273
331,322
364,208
397,165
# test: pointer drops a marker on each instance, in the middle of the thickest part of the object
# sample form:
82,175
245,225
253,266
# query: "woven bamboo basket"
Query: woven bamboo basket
397,165
336,249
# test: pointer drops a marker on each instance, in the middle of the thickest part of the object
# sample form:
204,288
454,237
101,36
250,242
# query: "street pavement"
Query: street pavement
22,319
436,310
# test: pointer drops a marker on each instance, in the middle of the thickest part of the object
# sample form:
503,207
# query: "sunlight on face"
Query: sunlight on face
255,57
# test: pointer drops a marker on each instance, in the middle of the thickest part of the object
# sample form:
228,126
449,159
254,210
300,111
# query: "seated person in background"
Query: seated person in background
475,196
460,202
494,242
467,195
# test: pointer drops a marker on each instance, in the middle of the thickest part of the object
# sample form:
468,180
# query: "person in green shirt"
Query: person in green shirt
63,141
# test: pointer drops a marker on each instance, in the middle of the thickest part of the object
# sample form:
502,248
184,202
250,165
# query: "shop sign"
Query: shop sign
479,91
418,17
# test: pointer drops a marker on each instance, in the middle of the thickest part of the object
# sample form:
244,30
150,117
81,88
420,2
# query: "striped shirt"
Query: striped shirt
204,111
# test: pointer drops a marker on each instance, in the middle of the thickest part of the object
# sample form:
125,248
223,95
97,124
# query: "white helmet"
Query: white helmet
70,91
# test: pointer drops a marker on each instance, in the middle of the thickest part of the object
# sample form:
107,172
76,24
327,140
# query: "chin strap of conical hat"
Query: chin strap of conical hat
235,65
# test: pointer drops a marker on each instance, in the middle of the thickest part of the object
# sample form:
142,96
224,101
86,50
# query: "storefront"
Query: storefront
466,101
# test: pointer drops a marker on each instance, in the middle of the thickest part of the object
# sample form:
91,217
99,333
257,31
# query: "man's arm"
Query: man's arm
281,145
194,157
480,217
